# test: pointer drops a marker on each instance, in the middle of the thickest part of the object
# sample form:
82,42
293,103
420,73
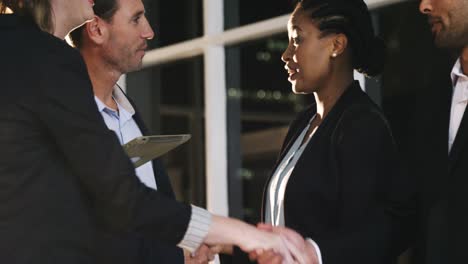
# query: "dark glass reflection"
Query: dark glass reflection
411,66
243,12
174,21
170,98
260,106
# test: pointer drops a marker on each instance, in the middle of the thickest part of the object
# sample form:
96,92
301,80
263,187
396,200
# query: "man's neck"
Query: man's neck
103,79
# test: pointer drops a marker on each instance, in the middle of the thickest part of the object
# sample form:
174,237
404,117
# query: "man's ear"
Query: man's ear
96,30
339,44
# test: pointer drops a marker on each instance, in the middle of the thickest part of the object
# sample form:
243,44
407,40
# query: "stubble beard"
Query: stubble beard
455,36
126,65
451,39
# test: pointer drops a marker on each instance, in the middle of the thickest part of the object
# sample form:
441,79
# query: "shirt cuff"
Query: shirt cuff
317,250
199,225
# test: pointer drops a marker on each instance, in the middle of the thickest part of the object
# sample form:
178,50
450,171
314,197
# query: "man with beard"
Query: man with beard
439,148
113,44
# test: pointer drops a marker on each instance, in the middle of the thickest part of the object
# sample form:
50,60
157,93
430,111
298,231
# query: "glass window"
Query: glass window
260,107
243,12
412,63
174,21
170,99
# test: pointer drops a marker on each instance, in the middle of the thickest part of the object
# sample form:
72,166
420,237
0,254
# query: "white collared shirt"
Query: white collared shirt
274,209
459,101
126,129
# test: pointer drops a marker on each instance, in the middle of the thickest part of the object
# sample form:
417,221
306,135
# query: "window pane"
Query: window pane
170,98
412,63
174,21
260,107
243,12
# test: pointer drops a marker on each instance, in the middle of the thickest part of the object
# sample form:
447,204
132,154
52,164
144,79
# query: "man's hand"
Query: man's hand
302,251
203,255
266,257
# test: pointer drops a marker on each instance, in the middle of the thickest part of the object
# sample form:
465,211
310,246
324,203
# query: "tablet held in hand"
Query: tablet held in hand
146,148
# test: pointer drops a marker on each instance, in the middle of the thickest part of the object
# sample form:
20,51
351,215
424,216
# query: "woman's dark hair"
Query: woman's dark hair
351,18
105,9
39,10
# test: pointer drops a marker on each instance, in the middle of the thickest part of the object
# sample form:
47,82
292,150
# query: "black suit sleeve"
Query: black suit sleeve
120,201
162,179
374,200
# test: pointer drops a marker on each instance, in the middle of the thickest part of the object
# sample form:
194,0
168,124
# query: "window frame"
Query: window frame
212,46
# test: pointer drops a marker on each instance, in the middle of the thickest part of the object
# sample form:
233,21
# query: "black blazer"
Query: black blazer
132,248
441,177
64,177
347,192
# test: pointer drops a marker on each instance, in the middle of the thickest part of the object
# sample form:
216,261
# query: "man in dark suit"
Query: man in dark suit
112,45
439,148
64,178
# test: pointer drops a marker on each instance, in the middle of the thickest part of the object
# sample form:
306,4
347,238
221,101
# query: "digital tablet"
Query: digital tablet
146,148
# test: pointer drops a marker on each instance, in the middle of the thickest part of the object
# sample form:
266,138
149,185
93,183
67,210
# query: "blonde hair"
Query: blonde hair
39,10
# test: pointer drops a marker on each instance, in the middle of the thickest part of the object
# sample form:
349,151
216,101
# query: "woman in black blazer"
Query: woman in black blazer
337,181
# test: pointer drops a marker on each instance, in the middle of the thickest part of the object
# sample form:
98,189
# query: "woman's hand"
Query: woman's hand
262,241
302,251
247,237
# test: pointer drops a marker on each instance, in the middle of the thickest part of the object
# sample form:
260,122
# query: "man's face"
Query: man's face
129,31
448,20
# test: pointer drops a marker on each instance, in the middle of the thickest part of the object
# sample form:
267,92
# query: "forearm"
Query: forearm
229,231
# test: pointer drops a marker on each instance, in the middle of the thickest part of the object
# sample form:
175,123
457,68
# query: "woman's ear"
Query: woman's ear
96,30
339,44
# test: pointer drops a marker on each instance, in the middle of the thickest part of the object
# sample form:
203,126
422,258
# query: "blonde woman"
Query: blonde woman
63,174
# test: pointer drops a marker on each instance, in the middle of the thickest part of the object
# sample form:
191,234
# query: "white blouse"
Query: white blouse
275,193
274,208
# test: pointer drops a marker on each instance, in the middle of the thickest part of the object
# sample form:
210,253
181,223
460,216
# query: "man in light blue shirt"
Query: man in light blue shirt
121,121
113,44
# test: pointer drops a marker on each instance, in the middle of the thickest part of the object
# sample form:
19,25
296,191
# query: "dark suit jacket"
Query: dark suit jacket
347,192
64,177
442,177
131,248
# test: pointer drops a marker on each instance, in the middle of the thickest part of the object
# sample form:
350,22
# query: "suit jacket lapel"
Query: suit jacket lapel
139,122
460,142
296,131
162,180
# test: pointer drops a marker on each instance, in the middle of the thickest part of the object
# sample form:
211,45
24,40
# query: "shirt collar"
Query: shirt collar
126,109
456,72
122,100
460,92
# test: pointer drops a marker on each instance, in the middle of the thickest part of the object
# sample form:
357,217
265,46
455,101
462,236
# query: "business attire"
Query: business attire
438,156
127,124
343,188
64,177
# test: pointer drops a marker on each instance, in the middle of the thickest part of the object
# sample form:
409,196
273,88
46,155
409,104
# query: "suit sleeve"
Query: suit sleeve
119,200
375,196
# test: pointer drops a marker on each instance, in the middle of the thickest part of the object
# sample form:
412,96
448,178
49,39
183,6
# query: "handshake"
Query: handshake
265,244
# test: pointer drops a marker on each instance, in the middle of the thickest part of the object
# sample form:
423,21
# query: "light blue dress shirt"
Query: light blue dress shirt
126,129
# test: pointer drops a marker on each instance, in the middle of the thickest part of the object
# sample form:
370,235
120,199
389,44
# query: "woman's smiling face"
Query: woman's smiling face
307,57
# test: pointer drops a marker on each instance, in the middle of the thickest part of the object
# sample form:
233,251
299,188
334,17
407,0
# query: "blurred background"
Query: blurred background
214,71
